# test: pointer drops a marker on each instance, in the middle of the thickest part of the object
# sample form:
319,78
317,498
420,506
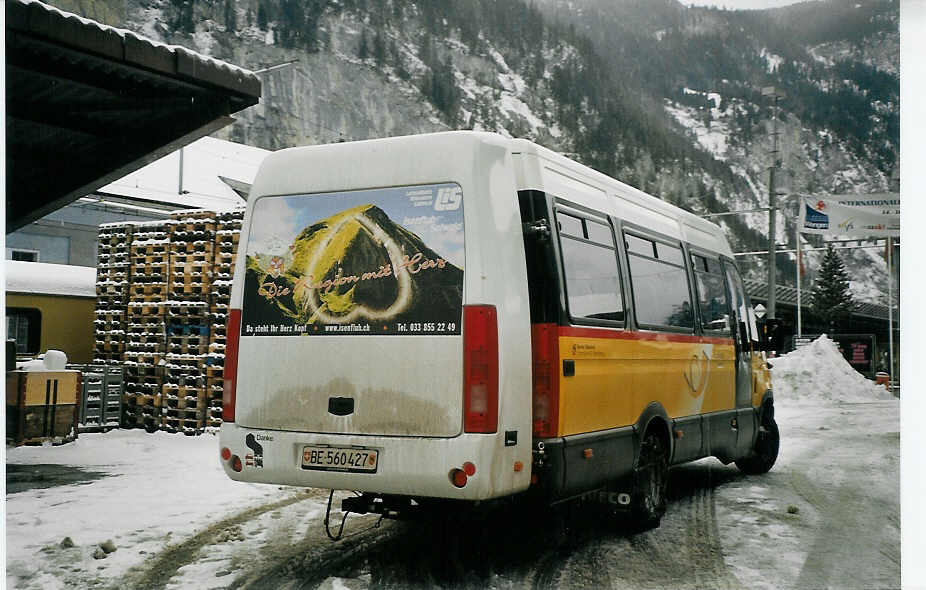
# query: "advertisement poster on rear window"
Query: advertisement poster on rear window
374,262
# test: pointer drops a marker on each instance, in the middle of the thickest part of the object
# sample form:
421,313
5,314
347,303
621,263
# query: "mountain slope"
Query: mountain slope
663,97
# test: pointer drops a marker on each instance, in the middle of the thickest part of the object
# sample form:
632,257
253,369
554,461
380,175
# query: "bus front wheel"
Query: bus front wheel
765,451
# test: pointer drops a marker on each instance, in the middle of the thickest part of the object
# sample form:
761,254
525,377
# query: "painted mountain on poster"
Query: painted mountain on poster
357,266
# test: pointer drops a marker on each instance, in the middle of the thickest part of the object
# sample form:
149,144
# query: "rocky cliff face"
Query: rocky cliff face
664,97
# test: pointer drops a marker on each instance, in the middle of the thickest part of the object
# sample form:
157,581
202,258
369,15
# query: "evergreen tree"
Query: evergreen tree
363,50
231,20
379,48
261,16
831,299
183,20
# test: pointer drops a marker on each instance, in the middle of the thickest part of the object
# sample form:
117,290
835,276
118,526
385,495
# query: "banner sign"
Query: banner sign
374,262
862,216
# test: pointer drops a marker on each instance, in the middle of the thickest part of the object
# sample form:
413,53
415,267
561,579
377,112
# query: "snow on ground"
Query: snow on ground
827,515
713,138
156,489
772,61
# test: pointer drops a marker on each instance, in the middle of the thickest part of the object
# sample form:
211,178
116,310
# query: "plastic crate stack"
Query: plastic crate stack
112,292
228,229
146,336
184,394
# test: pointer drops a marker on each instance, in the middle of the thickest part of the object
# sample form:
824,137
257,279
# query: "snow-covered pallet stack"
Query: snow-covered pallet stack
228,228
184,395
164,289
112,291
146,336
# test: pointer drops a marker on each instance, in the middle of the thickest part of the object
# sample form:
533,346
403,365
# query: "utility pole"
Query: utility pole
772,198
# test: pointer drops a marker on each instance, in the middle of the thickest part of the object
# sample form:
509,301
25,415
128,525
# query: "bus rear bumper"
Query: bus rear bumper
407,466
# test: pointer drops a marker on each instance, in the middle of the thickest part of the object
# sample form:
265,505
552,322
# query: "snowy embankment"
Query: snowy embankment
828,513
818,372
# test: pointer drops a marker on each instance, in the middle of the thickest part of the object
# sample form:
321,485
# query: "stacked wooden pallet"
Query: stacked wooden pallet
112,291
146,336
188,323
228,228
175,286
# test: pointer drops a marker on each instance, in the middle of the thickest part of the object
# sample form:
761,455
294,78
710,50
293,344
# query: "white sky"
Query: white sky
740,4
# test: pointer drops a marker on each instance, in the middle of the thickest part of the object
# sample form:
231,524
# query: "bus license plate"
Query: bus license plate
340,459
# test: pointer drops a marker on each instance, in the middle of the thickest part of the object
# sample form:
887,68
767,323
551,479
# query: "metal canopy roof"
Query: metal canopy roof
87,104
788,295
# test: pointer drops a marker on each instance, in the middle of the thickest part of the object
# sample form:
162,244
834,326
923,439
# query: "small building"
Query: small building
51,306
868,318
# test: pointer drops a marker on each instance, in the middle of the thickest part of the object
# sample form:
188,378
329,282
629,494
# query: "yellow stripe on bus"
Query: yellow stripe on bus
616,378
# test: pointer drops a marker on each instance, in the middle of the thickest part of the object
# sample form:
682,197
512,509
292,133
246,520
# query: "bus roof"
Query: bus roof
535,168
548,171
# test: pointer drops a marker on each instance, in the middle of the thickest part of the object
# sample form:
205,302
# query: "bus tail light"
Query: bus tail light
457,478
480,368
230,372
545,377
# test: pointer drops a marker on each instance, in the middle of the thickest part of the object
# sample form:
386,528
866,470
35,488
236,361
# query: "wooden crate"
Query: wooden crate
42,406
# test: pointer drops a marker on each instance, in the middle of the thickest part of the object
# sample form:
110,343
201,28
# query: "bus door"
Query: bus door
746,422
741,334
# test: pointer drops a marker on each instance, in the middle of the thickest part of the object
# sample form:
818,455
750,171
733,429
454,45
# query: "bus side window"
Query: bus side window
712,295
738,301
659,283
593,288
570,226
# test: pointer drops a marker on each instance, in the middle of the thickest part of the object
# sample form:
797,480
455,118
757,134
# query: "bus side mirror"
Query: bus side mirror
744,334
537,229
769,331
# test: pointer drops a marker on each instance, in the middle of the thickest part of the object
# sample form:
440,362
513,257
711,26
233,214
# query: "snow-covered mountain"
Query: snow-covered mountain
662,96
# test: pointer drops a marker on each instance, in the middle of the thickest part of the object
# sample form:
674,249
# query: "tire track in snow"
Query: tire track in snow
850,541
548,573
684,552
703,542
308,563
158,570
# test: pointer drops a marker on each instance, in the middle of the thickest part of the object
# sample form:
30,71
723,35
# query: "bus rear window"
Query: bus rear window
371,262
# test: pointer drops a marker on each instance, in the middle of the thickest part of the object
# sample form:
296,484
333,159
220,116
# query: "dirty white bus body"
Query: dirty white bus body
405,387
462,316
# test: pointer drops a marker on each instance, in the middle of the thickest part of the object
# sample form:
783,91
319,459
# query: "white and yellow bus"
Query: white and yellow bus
465,317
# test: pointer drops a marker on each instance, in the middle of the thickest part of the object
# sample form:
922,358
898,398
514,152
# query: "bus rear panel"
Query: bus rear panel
378,321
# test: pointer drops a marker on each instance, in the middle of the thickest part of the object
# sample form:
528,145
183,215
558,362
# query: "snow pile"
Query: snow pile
819,372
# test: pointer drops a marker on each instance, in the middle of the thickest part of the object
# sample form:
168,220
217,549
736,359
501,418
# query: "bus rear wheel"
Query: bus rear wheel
765,451
650,484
